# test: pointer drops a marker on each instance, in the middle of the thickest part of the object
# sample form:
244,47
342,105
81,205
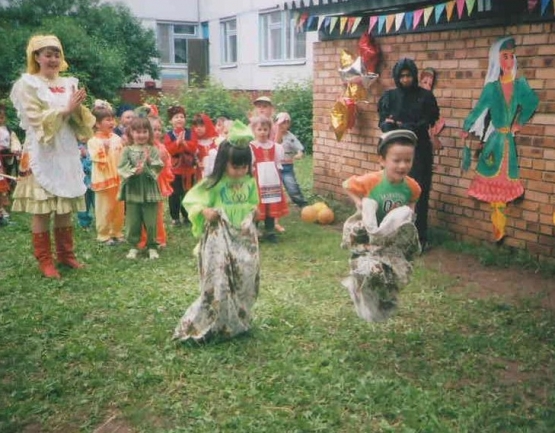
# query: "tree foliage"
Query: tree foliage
104,44
295,98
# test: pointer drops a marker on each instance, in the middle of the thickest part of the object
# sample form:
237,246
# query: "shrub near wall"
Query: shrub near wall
461,60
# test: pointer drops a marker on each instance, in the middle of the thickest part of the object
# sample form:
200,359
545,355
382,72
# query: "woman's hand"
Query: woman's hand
210,214
464,135
515,129
75,100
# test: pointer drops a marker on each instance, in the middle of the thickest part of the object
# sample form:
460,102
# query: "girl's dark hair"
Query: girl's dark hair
139,123
237,156
101,113
197,120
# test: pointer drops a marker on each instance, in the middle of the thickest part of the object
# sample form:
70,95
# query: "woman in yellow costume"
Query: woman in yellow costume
511,103
50,111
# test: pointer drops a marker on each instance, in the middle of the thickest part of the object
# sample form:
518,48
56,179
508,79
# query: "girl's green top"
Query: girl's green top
236,197
142,187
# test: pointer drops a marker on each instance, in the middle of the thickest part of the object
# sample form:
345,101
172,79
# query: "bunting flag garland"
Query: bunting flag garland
460,8
438,11
532,4
390,19
356,23
449,6
427,13
350,22
373,21
342,24
399,20
408,20
381,23
417,17
333,22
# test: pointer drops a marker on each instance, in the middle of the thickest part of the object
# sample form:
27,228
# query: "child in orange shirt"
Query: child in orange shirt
105,149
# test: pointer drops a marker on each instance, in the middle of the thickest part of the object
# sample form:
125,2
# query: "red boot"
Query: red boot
43,253
64,247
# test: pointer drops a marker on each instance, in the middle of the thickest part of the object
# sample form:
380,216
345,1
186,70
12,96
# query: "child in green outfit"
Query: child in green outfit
139,168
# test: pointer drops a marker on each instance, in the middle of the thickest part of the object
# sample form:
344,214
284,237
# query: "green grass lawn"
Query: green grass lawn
95,348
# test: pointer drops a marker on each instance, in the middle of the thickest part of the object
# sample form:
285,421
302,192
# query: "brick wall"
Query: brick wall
460,58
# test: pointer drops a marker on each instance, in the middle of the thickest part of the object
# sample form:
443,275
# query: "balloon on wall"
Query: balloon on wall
357,74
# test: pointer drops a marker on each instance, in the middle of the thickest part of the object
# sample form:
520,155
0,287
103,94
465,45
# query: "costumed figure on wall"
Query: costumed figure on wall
509,102
357,75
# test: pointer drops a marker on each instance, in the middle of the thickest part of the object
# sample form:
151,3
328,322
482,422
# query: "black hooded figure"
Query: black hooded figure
409,106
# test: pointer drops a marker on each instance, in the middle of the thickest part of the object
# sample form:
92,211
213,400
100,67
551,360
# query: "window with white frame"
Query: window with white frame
171,39
228,31
280,40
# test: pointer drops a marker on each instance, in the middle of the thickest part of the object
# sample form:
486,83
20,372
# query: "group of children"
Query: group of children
130,167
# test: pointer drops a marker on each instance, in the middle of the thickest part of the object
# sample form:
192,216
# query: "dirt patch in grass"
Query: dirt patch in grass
480,282
114,424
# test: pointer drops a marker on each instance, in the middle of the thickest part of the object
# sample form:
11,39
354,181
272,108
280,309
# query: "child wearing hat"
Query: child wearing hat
381,235
391,187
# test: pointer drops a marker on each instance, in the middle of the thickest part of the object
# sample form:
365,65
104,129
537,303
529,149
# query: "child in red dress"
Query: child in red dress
266,162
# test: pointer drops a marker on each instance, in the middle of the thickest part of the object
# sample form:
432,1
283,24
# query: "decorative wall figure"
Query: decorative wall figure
357,75
510,103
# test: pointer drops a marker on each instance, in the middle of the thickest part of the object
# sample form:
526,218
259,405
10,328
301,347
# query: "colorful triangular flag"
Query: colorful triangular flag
381,23
532,4
310,21
408,20
350,22
417,17
321,20
439,10
333,22
449,6
460,8
544,5
356,23
427,13
470,6
342,24
389,22
372,23
399,20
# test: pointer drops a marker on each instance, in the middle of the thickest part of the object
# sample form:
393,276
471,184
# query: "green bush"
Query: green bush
295,97
211,98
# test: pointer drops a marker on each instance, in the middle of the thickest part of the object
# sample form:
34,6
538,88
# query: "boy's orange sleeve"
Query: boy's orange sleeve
414,188
362,185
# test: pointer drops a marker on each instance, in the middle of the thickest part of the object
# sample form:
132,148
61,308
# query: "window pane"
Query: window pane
184,29
275,44
233,49
180,50
163,42
300,45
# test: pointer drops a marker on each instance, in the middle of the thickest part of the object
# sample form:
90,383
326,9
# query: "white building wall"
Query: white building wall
248,73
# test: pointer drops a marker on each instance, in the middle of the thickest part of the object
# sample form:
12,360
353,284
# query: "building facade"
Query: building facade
244,44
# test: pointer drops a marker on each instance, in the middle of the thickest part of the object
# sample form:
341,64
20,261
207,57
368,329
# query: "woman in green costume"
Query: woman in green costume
511,103
222,209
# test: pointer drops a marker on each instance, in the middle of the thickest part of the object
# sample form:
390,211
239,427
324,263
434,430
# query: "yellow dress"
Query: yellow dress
55,182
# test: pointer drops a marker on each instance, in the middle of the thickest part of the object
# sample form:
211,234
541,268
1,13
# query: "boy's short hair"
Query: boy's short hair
263,99
397,136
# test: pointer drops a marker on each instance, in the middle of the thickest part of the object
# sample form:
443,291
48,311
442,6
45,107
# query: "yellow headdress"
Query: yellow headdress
42,41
